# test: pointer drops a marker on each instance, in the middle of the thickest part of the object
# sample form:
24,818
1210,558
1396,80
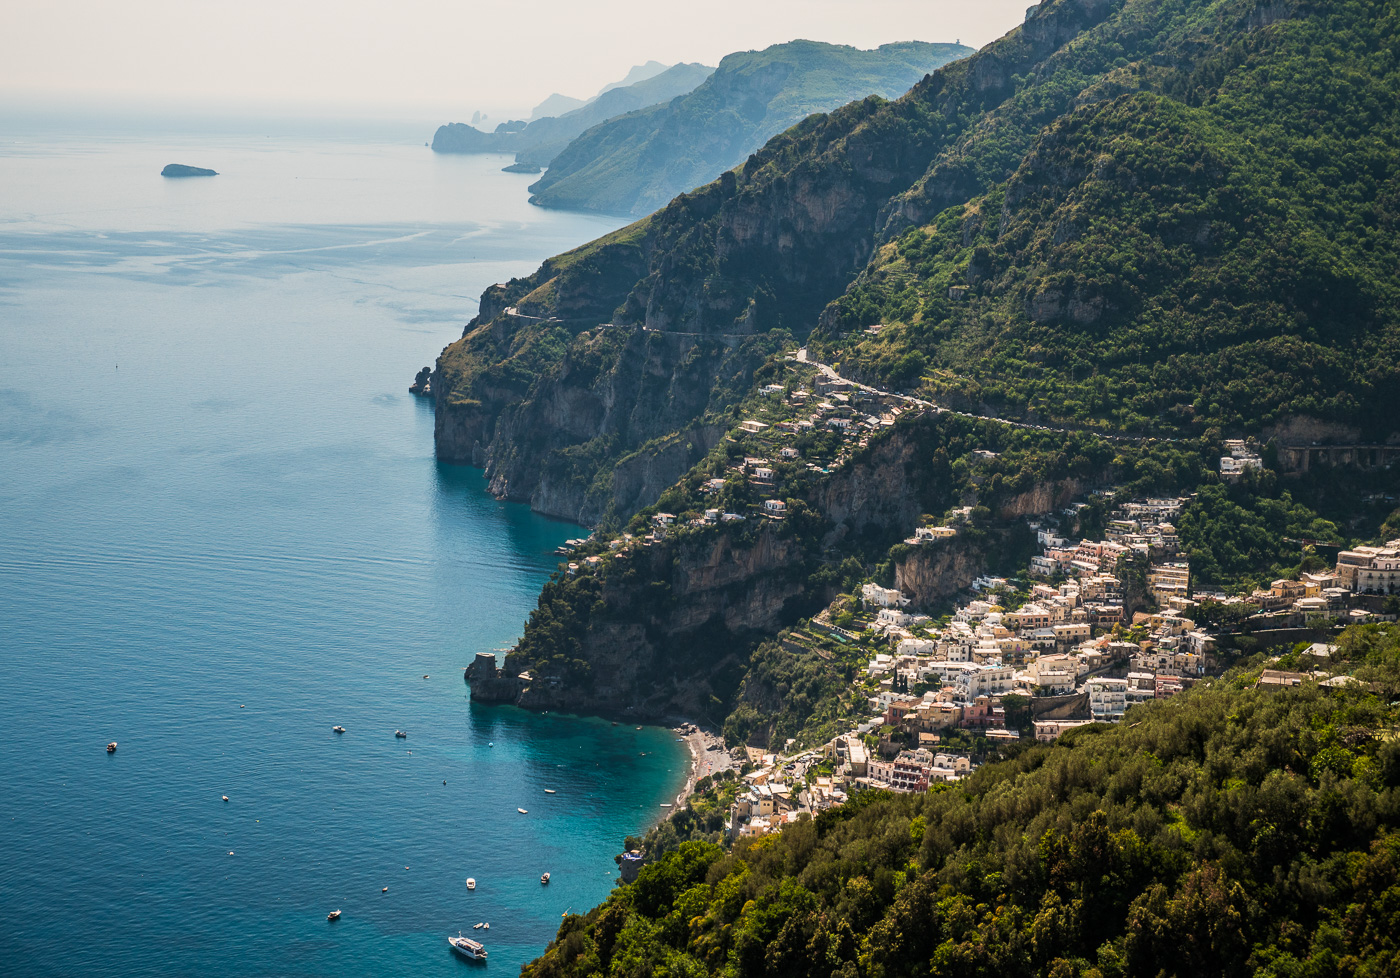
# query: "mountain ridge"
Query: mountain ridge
638,162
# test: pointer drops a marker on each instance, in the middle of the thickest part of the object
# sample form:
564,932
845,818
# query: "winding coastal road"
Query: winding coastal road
831,373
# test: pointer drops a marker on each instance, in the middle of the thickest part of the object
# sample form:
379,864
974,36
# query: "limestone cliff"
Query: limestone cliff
933,572
669,634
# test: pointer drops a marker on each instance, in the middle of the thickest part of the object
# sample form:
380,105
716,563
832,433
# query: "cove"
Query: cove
225,533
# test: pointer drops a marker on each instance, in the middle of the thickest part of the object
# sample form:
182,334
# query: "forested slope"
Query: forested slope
1189,246
1227,831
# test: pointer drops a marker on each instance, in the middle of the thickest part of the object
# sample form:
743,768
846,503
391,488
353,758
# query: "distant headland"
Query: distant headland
181,170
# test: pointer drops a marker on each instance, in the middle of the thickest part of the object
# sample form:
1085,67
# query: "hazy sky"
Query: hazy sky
433,56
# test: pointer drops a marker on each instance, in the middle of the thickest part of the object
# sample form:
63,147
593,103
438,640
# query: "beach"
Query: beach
704,761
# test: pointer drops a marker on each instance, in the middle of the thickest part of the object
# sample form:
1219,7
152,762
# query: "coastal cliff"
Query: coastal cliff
666,635
931,573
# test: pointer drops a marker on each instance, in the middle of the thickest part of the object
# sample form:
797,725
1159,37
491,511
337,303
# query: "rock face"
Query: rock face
181,170
604,430
934,572
669,628
682,651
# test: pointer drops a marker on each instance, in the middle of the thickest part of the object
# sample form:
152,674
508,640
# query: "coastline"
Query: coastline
704,761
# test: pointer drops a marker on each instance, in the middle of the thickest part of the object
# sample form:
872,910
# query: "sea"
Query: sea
223,532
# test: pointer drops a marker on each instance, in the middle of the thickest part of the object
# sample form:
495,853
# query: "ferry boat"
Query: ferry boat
467,947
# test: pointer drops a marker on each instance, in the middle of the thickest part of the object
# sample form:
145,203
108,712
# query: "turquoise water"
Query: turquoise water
222,532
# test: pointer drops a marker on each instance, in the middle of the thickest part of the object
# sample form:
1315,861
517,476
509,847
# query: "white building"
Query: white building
1108,698
883,597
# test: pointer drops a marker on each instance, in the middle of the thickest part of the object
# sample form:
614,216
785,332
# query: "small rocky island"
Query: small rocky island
523,168
423,383
181,170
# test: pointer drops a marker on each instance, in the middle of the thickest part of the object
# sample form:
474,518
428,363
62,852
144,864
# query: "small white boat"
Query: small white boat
225,797
544,878
549,791
665,804
467,947
486,926
471,883
522,811
476,927
333,915
338,729
112,747
385,890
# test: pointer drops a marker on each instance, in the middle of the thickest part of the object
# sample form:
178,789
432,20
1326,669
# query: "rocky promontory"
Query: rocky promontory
182,170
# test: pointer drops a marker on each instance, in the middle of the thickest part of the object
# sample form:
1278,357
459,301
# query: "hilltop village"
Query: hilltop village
1091,626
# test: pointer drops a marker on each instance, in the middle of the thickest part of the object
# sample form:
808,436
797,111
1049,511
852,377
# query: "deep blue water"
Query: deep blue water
222,532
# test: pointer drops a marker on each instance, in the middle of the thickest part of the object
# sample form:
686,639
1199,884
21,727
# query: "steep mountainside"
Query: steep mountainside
1060,225
542,139
638,162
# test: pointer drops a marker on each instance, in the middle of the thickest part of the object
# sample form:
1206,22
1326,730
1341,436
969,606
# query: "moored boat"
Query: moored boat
467,947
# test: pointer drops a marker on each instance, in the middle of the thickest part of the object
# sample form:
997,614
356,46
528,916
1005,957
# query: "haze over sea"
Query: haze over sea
222,532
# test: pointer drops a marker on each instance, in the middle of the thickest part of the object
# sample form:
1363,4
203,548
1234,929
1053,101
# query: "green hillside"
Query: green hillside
1229,831
1212,248
636,163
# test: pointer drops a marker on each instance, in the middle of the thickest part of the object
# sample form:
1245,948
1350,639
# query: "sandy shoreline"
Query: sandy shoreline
703,760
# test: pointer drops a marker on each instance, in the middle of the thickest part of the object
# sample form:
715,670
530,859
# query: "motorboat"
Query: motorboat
544,878
486,926
338,729
225,797
471,883
476,927
112,747
400,733
522,811
467,947
333,915
549,791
